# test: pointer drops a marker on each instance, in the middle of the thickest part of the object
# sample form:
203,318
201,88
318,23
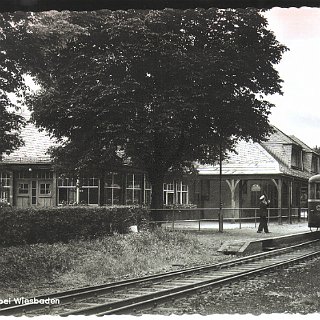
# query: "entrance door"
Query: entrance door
33,193
23,194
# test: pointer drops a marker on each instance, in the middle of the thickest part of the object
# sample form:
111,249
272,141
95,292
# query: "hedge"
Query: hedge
62,224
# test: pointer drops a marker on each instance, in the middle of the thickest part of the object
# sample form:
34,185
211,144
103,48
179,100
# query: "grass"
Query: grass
29,270
33,269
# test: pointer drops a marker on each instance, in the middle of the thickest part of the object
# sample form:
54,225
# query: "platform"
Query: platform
265,244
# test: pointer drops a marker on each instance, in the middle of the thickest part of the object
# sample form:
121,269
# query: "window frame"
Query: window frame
46,194
134,188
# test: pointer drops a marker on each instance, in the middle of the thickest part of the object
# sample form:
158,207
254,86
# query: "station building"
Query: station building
27,179
279,168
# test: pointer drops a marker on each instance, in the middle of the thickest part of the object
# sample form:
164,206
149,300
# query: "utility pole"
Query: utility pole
220,189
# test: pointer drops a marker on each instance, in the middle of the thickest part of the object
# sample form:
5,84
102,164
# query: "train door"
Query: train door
314,202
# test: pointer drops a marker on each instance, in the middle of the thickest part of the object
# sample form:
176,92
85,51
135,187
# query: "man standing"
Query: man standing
264,204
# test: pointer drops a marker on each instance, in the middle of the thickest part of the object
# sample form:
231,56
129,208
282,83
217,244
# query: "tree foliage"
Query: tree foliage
165,89
11,81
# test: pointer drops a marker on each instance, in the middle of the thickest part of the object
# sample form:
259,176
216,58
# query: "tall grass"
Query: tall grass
80,263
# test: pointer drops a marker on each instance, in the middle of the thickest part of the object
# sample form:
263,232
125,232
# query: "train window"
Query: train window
317,191
312,190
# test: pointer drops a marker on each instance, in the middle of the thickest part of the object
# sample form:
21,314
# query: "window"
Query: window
89,191
296,158
23,188
89,182
147,191
5,186
4,179
67,191
175,193
34,192
42,174
66,182
45,188
314,164
312,188
24,174
113,188
168,193
35,174
182,193
314,191
66,195
317,190
134,188
89,195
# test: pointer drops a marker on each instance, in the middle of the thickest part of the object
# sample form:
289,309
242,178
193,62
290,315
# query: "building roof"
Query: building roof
278,136
249,158
294,173
305,147
36,144
253,158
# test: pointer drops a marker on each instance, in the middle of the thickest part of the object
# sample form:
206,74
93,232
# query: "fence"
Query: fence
236,216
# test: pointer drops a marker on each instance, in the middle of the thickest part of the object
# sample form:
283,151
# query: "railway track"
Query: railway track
127,296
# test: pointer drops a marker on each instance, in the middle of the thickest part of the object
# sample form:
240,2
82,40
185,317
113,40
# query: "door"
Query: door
44,193
33,193
24,193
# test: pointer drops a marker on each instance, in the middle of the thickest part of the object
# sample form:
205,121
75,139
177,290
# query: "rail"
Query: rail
209,217
128,295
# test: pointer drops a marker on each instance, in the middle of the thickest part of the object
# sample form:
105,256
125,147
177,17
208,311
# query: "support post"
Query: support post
78,192
233,185
54,189
279,189
290,202
11,198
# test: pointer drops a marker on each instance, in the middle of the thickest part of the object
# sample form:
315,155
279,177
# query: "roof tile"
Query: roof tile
249,158
36,144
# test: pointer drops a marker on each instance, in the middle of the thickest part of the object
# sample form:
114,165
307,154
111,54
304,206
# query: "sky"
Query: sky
297,111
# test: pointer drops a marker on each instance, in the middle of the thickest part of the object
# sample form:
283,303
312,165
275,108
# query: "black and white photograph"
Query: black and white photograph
159,159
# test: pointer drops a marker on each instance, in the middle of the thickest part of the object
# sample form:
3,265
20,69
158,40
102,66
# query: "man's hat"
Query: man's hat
262,197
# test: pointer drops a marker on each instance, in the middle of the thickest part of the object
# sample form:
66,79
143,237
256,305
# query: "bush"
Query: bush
50,225
4,203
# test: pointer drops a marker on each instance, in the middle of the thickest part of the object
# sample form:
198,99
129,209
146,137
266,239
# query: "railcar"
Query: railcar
314,202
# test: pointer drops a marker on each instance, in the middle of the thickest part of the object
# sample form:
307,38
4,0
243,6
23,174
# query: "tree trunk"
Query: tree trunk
156,196
101,191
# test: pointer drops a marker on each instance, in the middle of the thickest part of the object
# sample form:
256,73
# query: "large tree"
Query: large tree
11,81
164,89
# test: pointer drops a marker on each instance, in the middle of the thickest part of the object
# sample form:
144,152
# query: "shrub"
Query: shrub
36,262
180,206
49,225
4,203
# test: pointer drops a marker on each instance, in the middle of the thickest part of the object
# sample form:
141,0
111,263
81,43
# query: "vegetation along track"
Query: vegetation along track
129,295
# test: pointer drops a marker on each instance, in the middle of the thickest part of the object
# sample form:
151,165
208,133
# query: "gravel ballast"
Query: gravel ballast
294,290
